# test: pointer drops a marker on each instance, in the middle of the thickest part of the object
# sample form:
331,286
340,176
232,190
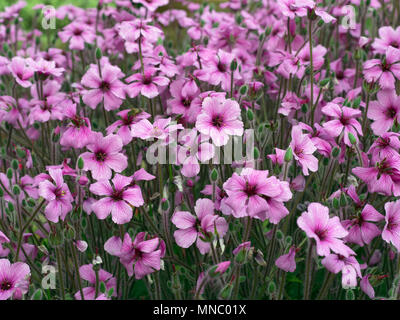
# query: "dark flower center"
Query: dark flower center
394,44
5,285
344,121
322,234
251,190
186,102
117,195
385,67
101,156
105,86
340,75
391,112
221,67
77,32
217,121
147,80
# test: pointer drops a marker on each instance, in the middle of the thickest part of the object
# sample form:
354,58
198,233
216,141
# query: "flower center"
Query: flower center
322,234
101,156
117,195
391,112
5,285
105,86
186,102
77,32
221,67
217,121
251,190
147,80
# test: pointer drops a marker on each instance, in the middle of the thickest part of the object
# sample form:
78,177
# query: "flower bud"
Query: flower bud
214,175
288,155
352,139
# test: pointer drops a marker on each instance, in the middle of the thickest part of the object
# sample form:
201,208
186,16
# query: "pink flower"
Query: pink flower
366,287
14,279
46,68
387,145
336,262
191,228
138,30
119,200
391,231
147,84
105,156
383,178
183,93
77,34
21,71
222,267
216,69
161,129
219,119
192,150
344,120
287,262
106,88
141,256
87,273
123,126
327,232
385,71
57,194
385,111
78,132
255,194
361,231
303,150
387,37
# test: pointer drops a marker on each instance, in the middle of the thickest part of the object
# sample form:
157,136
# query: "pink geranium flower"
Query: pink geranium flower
56,192
287,262
219,119
141,256
385,111
77,34
387,145
216,69
385,72
344,120
123,126
391,231
21,71
256,195
384,177
303,150
147,83
87,273
14,279
327,232
161,129
78,132
349,267
105,87
193,150
104,156
194,229
360,228
183,93
388,37
119,200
